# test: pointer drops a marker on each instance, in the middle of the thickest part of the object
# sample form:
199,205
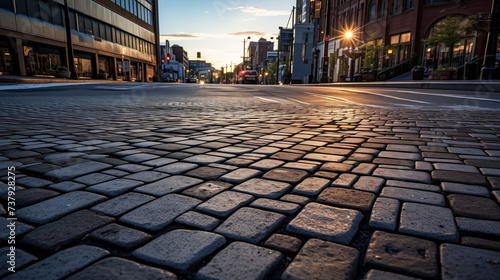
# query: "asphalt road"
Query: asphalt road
157,94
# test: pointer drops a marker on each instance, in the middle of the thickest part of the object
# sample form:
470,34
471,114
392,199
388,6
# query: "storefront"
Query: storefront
105,65
41,60
6,66
83,65
399,49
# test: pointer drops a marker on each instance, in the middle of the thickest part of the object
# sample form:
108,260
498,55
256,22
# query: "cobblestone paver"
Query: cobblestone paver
248,190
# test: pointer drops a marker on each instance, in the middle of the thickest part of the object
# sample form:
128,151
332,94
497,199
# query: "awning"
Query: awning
354,54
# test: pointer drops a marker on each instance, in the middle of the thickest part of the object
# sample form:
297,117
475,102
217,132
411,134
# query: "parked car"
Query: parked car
249,77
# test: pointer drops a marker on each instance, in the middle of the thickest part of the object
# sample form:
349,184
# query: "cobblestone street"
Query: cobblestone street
231,183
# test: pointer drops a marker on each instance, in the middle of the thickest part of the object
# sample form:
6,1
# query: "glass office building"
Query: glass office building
111,39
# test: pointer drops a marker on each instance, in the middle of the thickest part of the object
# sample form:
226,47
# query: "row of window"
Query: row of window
107,32
54,13
137,9
396,8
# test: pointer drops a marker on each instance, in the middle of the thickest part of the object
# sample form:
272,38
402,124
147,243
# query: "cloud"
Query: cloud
181,35
259,12
248,33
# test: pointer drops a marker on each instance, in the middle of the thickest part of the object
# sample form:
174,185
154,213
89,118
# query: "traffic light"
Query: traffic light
222,69
168,58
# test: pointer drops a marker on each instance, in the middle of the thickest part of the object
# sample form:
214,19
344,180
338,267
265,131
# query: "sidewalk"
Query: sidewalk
467,85
46,80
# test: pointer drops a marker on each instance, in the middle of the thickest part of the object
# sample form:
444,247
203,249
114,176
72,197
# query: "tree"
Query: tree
271,77
449,32
371,49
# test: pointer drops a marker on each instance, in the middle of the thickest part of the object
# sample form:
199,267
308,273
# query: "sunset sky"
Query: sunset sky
216,28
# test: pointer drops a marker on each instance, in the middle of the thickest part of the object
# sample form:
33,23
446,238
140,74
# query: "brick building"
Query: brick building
399,26
115,39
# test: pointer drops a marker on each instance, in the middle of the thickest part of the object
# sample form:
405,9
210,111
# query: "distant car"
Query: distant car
192,80
249,77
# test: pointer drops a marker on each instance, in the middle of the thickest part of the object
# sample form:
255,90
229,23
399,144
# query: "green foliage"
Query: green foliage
271,70
449,32
371,49
441,68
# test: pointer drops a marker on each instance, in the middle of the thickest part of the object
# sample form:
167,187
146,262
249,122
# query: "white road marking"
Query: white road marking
385,95
267,99
298,101
335,98
448,95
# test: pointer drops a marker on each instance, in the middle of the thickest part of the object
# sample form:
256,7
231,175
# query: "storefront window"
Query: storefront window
119,68
83,65
6,66
41,60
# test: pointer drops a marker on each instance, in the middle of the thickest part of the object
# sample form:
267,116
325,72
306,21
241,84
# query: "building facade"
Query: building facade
396,27
112,39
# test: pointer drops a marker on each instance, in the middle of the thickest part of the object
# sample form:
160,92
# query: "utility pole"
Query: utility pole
69,42
489,71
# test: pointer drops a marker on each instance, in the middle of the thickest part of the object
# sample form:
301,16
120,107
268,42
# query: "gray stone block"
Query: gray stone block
241,261
320,259
70,172
276,206
49,210
195,219
429,221
411,195
405,175
326,222
225,203
482,227
311,186
402,253
52,236
385,213
263,188
461,262
160,212
180,249
169,185
250,224
114,187
62,264
119,205
121,269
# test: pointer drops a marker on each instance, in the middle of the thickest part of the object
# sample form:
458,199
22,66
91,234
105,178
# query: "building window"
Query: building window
21,7
7,5
395,39
381,9
405,37
410,4
57,15
72,20
45,13
395,7
33,9
372,10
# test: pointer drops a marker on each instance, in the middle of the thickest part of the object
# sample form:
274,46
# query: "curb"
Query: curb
471,86
50,81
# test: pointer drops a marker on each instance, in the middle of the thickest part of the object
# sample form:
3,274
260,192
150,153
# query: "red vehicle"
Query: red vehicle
249,77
